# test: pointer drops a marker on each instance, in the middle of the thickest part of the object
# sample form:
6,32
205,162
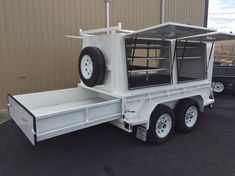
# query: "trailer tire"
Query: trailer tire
91,66
162,123
186,112
218,87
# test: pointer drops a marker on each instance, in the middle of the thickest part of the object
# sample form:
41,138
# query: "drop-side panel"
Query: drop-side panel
48,114
78,118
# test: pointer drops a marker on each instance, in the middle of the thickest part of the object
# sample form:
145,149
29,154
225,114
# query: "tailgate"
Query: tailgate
23,118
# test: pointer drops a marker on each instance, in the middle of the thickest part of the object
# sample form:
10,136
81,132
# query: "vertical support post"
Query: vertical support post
163,6
147,73
173,59
209,59
182,57
148,55
133,53
114,64
107,4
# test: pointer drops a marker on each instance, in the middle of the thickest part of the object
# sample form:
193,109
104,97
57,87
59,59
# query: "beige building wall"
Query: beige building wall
35,56
185,11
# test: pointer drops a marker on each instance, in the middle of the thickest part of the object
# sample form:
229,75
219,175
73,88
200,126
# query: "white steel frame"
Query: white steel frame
132,107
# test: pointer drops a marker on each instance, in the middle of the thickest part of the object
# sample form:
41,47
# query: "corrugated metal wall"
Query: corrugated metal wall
35,56
185,11
135,14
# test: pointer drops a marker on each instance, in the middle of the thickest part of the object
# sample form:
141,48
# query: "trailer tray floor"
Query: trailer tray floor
48,114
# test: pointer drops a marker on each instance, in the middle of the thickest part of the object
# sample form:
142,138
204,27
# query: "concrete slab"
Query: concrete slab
4,116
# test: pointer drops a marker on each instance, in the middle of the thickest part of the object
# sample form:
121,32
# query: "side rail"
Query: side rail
140,106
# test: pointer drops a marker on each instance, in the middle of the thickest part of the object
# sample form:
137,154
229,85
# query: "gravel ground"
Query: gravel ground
106,150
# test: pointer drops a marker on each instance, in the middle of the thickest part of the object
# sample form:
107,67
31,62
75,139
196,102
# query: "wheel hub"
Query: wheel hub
218,87
163,125
86,67
191,116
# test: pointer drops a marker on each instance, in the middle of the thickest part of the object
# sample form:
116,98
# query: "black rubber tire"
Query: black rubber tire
152,136
180,112
98,63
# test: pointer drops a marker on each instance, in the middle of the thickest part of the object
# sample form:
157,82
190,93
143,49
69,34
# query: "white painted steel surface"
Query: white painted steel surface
211,37
170,30
143,104
23,119
62,111
113,47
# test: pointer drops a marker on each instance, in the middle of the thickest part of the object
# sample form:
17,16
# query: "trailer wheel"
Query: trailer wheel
162,122
91,66
218,87
186,113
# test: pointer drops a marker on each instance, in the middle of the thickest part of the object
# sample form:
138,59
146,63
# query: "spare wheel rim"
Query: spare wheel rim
86,67
218,87
191,116
163,125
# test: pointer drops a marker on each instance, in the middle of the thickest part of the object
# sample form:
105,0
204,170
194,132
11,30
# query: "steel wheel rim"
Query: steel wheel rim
218,87
163,125
86,67
191,116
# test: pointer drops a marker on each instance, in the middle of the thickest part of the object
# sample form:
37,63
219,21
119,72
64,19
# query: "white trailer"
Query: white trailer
155,79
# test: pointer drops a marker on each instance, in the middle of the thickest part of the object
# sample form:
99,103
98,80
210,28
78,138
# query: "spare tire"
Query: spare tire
91,66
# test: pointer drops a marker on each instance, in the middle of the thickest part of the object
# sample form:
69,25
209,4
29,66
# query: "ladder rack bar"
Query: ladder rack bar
147,70
144,57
